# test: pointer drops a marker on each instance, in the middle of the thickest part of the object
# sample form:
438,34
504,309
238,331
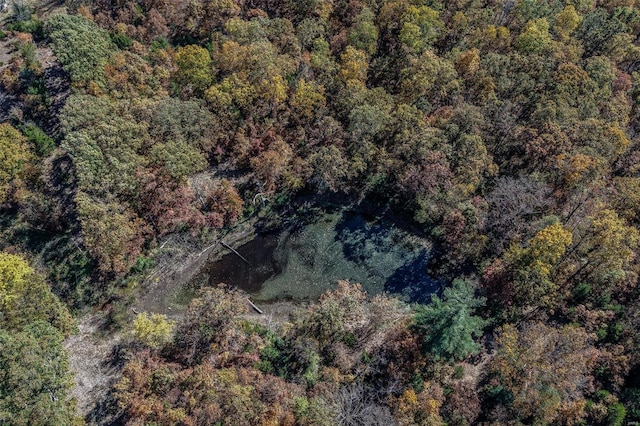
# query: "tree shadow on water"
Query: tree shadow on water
412,281
359,237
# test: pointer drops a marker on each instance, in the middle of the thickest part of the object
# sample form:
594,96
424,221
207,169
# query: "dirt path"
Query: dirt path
55,81
57,86
91,359
6,100
5,52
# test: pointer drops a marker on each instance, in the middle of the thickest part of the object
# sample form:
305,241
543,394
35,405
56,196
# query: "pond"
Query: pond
302,263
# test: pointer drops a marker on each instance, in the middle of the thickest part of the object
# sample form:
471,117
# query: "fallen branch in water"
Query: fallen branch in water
258,310
225,245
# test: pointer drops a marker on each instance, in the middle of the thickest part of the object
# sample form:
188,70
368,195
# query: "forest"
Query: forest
503,131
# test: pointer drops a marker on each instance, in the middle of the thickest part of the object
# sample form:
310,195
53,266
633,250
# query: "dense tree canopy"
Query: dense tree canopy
81,46
34,376
505,133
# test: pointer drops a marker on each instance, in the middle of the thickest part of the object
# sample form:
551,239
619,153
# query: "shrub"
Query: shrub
153,330
42,143
121,40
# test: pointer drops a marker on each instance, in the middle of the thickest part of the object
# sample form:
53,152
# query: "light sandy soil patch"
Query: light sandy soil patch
274,314
5,52
91,359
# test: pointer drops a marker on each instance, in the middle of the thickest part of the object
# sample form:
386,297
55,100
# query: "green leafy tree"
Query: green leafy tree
42,143
179,159
330,168
449,325
308,99
566,22
364,34
35,378
195,72
113,233
427,81
469,157
26,297
421,27
13,270
535,37
626,198
81,46
354,64
601,139
173,120
598,30
324,65
105,142
263,67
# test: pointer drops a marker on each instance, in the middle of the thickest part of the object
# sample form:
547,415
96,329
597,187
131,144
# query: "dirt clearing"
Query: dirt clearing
92,360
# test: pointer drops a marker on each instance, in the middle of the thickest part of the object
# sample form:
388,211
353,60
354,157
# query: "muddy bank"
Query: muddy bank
280,269
179,258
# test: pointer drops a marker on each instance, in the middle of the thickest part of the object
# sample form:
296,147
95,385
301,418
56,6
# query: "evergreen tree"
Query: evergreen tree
449,325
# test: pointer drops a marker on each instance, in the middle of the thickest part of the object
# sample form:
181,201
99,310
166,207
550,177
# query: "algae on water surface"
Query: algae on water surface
303,263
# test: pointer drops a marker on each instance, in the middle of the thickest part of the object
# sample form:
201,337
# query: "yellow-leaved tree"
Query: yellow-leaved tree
534,267
15,153
13,270
153,330
195,72
25,297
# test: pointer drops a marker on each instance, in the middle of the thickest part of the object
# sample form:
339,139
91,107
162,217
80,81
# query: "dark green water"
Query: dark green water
304,263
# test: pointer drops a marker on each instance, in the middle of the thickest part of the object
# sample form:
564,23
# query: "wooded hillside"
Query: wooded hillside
505,131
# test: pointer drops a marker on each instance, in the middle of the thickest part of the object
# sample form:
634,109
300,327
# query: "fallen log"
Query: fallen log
165,243
258,310
225,245
210,247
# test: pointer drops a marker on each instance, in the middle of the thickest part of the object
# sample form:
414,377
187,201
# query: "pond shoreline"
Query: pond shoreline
180,261
183,265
